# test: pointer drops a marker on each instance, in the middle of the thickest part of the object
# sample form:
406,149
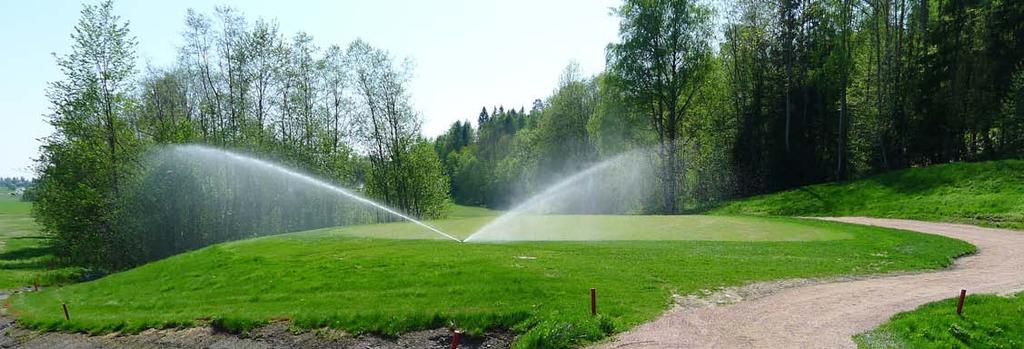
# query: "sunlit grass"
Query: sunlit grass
25,257
327,278
984,193
988,321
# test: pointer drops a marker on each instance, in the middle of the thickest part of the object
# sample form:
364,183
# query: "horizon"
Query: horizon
443,40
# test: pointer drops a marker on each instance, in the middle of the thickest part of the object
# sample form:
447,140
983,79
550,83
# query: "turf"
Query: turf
24,256
988,321
609,227
984,193
330,278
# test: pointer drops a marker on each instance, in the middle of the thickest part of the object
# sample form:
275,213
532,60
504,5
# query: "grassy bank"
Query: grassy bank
334,278
988,321
985,193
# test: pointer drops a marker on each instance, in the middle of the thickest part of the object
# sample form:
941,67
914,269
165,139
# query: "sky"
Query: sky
467,54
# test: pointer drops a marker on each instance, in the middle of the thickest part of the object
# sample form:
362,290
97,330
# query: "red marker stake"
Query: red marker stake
593,301
960,304
456,337
66,316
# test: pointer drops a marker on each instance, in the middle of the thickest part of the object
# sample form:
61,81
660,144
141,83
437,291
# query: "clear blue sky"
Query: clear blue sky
467,54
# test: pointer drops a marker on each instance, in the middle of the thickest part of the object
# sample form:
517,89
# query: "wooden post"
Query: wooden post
35,285
593,301
960,303
456,338
66,316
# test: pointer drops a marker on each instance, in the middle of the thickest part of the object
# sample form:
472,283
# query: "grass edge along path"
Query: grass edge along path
536,289
988,321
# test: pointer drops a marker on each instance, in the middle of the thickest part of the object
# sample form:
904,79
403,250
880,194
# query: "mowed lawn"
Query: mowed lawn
339,278
608,227
24,257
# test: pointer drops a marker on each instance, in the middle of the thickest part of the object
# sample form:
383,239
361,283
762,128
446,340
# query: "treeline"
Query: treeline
340,113
746,98
791,93
12,183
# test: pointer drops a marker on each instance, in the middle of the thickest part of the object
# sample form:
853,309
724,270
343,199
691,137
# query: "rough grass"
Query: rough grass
989,321
329,278
984,193
24,256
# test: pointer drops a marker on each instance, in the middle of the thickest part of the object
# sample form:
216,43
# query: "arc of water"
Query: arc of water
544,195
274,167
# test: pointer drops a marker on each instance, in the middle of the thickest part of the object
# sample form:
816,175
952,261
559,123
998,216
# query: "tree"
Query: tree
562,128
388,128
659,65
483,116
83,163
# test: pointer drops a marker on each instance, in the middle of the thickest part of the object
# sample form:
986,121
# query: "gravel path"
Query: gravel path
827,315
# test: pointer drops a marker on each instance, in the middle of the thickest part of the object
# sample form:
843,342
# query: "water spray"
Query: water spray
308,179
569,188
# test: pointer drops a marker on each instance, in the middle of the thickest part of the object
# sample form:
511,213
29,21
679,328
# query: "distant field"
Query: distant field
333,278
24,257
984,193
989,321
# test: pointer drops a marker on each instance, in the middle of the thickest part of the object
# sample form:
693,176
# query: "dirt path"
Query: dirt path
827,315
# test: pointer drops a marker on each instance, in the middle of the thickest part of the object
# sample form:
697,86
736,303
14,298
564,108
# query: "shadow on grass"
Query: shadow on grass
916,180
25,253
26,265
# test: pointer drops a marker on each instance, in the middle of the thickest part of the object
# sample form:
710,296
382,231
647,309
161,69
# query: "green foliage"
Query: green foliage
235,86
659,64
13,183
93,147
333,278
564,143
566,333
985,193
29,194
988,321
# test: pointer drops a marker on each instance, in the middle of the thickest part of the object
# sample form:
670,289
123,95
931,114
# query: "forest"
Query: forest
791,93
735,98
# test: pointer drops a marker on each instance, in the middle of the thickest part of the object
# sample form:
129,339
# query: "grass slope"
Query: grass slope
989,322
984,193
24,257
329,278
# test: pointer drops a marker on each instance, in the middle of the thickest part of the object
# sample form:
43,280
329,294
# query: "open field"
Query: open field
23,254
985,193
329,278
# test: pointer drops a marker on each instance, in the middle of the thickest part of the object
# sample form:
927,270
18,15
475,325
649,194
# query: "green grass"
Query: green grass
610,227
334,278
984,193
989,321
459,211
24,256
